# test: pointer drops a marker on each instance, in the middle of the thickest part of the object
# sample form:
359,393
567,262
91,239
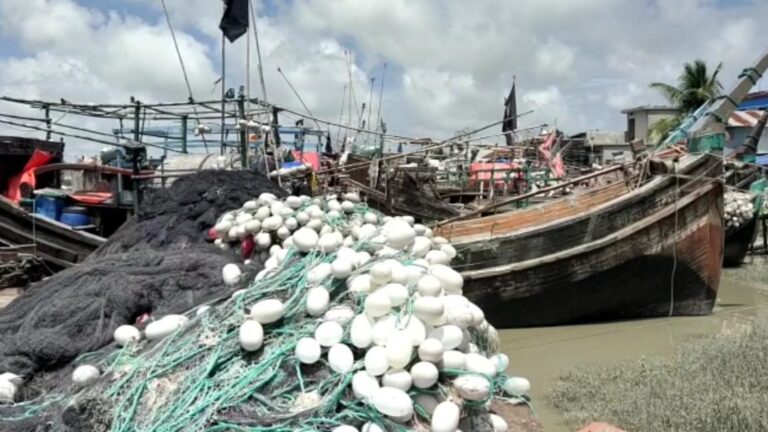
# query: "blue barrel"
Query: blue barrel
75,216
49,207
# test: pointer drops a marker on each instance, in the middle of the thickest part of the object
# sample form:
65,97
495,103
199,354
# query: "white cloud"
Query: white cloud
451,62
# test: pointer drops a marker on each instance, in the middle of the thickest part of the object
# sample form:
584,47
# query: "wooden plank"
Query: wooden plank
517,198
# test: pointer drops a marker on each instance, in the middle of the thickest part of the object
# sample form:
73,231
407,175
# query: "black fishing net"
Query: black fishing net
158,264
178,217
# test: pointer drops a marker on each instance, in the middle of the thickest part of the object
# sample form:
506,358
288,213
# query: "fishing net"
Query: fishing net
177,217
208,375
157,264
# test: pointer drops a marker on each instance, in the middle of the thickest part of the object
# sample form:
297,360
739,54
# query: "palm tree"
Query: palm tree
695,87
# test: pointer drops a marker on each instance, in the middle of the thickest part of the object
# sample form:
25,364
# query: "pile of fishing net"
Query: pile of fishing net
357,322
739,208
175,218
158,264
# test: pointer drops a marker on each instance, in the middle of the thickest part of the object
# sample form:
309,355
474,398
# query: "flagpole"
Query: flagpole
223,88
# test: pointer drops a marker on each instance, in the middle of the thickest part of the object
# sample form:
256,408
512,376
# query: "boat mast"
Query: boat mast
716,117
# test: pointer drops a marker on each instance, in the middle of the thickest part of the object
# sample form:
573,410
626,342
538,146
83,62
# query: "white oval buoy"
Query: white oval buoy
396,292
399,349
453,360
364,385
318,299
393,402
361,331
85,374
340,358
498,423
381,273
267,311
472,387
445,417
517,386
164,326
377,304
450,335
329,333
251,335
397,378
319,273
501,361
450,279
424,374
7,392
437,257
305,239
345,428
231,274
308,350
341,268
375,361
429,285
431,350
398,234
360,284
383,328
428,309
420,247
416,330
341,314
478,363
126,334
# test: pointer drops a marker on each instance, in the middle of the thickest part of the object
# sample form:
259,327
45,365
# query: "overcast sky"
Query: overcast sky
451,62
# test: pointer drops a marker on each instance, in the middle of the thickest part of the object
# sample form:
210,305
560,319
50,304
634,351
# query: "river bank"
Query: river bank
542,354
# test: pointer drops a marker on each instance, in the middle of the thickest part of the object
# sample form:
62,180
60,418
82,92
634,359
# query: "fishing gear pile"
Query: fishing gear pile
739,209
356,322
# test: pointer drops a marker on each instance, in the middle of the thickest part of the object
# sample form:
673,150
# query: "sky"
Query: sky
450,63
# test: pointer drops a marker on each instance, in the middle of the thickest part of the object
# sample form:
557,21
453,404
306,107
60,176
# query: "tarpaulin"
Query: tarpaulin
91,197
27,175
311,158
482,171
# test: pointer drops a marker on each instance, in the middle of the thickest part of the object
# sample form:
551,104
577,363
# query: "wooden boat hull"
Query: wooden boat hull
58,244
667,263
737,243
567,223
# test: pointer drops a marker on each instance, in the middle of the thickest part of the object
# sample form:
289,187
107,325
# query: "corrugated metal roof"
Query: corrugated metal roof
744,118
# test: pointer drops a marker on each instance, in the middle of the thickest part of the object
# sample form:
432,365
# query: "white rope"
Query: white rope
674,246
183,68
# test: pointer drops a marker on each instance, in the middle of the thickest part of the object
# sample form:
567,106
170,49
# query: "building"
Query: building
597,147
640,120
743,120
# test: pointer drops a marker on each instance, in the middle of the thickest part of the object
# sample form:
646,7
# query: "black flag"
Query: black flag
234,22
510,116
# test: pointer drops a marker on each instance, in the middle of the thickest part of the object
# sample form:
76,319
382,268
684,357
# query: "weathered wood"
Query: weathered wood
549,262
56,243
524,196
669,262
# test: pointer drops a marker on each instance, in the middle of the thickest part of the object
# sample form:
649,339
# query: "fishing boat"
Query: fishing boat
559,262
746,177
655,250
61,227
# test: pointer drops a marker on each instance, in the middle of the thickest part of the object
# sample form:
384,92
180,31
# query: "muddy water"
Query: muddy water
539,353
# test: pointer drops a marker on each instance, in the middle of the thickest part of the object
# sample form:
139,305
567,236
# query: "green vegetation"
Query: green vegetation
713,384
695,86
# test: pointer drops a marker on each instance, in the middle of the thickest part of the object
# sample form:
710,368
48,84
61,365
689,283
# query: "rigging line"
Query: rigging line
381,93
341,114
181,62
674,245
330,123
258,51
99,141
298,96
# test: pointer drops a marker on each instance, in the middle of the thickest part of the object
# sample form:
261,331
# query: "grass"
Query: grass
713,384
